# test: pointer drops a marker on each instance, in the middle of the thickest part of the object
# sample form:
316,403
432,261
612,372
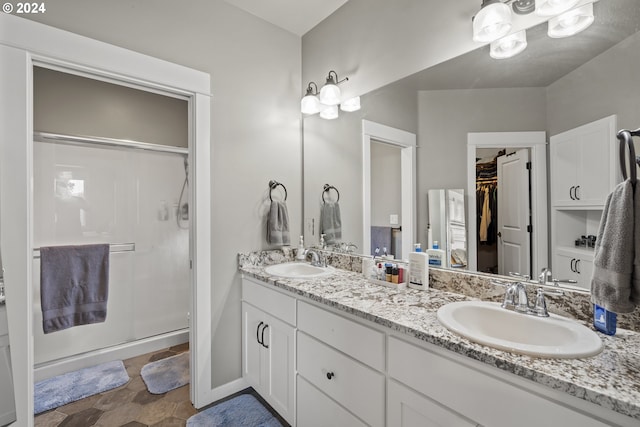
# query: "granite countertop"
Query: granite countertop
610,379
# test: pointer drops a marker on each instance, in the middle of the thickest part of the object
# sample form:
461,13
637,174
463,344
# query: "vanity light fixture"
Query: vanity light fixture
330,92
509,46
553,7
310,104
327,100
571,22
492,22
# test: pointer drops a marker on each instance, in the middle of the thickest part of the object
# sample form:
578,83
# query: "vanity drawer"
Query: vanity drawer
273,302
315,409
358,341
478,395
357,387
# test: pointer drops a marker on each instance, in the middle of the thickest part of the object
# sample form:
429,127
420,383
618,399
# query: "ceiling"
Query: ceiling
295,16
543,62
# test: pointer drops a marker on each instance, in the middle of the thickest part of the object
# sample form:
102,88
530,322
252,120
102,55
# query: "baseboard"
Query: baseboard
118,352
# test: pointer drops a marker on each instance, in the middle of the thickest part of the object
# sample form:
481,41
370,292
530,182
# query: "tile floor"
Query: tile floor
131,405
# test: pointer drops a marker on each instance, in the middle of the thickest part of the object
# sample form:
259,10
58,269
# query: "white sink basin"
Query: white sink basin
489,324
297,270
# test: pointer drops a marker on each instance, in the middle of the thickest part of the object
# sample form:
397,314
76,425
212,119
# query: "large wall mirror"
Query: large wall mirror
553,86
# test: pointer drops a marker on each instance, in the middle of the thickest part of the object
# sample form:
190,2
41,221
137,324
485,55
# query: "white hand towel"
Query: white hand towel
611,285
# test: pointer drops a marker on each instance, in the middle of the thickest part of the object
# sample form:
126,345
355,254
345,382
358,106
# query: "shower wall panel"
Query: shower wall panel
92,194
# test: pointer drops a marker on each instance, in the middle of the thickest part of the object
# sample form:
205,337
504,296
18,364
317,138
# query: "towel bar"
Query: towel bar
113,248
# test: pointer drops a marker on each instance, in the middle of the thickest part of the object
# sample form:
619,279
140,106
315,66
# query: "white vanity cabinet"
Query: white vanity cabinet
344,361
268,346
574,265
582,164
457,393
584,170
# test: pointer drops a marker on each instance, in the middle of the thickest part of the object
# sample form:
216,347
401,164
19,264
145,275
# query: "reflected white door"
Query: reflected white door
514,214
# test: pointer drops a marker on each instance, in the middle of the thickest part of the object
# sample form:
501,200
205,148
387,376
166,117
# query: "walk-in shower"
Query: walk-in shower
127,187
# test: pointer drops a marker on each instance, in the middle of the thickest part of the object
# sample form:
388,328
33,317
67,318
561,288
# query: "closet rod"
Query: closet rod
111,142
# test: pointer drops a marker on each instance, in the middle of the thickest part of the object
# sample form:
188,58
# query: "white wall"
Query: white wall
608,84
386,190
255,122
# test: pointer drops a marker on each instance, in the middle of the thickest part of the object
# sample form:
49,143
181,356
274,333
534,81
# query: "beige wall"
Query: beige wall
72,105
386,190
255,122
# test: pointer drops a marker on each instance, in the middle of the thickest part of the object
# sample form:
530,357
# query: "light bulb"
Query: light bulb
492,22
329,112
553,7
310,104
330,94
509,46
572,22
351,104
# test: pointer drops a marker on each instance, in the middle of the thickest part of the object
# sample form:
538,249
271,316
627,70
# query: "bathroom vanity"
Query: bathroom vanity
340,351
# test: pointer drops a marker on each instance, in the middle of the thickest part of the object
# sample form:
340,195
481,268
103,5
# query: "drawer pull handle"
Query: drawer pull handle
258,333
262,340
330,375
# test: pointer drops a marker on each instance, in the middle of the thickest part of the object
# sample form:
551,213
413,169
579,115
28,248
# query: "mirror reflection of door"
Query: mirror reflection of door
386,199
503,200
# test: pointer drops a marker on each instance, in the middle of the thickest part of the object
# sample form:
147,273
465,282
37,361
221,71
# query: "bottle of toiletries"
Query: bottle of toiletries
436,255
394,273
418,269
388,268
604,320
300,254
381,272
369,270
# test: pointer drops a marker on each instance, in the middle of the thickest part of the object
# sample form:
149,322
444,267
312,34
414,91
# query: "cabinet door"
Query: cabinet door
252,361
564,164
407,408
593,171
315,409
279,355
573,267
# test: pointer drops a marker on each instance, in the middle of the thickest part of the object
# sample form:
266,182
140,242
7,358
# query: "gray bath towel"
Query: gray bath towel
616,246
278,224
331,222
74,285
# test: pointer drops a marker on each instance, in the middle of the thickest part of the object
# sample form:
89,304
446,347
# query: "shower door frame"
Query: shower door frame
23,44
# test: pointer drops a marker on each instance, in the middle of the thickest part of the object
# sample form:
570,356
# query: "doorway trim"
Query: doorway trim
24,43
406,141
536,142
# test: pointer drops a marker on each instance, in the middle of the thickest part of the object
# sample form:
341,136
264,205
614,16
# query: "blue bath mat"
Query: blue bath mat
166,374
241,411
58,391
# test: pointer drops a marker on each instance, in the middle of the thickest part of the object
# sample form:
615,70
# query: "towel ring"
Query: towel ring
326,189
626,139
273,184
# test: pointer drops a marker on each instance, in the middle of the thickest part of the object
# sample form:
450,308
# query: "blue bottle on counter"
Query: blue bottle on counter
604,320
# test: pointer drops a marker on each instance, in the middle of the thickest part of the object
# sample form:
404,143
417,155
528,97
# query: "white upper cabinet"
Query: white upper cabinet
583,169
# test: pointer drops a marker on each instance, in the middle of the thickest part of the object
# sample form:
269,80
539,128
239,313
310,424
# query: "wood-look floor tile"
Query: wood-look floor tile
85,418
49,419
184,410
179,394
180,348
143,397
161,355
170,422
124,414
157,411
136,384
114,399
79,405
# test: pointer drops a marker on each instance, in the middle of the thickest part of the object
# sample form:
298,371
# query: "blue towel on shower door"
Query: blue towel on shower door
74,285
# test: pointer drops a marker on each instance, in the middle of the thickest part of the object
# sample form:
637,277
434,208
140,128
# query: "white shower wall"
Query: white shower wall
94,194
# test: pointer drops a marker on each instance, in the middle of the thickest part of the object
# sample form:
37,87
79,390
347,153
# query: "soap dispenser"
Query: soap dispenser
301,250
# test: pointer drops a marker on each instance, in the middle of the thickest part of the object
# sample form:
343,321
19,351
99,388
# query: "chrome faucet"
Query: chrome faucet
516,299
545,276
317,259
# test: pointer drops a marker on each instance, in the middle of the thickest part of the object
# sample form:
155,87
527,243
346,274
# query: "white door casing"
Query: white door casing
514,245
536,142
23,44
406,141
